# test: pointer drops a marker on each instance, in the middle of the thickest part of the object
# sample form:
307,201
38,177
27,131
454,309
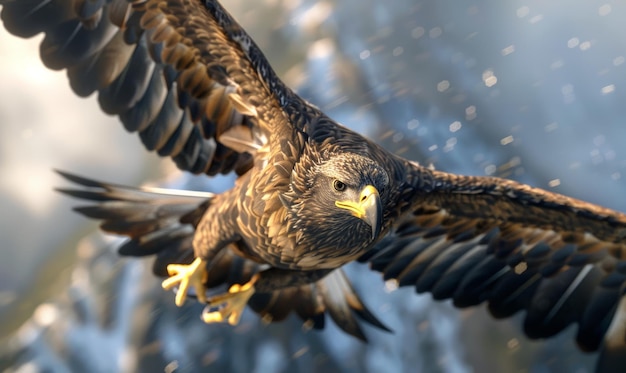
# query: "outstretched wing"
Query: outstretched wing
479,239
181,73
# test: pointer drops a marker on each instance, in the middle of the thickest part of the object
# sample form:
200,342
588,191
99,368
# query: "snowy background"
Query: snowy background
529,90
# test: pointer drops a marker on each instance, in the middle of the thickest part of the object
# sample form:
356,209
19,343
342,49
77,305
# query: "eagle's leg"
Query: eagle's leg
229,306
193,274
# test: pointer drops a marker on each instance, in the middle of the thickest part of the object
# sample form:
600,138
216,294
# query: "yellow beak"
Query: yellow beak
368,208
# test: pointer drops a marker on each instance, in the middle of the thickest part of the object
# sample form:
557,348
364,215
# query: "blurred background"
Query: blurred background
528,90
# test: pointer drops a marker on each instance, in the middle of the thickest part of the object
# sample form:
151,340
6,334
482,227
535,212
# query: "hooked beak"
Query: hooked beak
369,208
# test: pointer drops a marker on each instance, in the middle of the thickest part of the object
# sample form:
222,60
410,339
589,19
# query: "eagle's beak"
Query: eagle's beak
369,208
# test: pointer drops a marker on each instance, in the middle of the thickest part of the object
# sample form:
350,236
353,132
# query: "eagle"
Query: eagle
310,194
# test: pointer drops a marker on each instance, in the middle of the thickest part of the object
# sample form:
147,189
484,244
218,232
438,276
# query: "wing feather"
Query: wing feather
479,239
179,72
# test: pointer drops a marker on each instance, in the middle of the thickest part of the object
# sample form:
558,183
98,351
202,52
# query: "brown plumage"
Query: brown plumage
311,195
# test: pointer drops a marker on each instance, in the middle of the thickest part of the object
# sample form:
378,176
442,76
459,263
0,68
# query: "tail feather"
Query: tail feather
333,296
342,303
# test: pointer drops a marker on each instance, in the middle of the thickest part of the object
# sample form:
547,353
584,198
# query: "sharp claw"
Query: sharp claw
184,276
230,305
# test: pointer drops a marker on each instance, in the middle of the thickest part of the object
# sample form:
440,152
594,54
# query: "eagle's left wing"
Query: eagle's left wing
482,239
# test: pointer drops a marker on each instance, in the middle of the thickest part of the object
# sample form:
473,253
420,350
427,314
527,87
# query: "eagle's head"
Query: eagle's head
339,204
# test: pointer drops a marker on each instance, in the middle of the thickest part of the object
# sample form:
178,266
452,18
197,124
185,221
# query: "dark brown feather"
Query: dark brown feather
164,72
479,239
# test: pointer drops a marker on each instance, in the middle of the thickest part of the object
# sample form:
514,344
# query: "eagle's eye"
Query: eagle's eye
339,185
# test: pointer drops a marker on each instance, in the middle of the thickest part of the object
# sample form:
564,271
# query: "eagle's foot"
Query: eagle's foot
229,306
184,275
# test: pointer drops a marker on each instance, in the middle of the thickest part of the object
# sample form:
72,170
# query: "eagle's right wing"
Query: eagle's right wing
181,73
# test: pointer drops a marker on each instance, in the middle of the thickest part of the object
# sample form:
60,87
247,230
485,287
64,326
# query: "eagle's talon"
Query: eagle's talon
185,275
229,306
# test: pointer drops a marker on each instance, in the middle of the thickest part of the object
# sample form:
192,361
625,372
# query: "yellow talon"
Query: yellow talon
230,305
193,274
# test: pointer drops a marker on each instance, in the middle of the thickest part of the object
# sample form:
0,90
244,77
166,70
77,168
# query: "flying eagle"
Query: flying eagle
311,195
